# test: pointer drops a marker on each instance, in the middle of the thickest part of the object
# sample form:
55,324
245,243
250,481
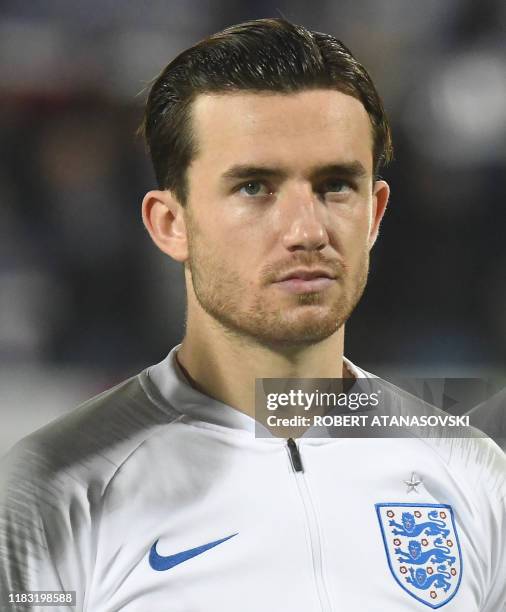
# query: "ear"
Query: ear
381,193
163,217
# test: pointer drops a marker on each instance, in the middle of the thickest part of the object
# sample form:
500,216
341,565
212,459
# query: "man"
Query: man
267,140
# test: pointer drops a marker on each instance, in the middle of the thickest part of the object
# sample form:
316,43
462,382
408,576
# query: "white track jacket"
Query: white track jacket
153,497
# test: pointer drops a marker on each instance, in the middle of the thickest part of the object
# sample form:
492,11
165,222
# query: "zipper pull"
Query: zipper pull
295,455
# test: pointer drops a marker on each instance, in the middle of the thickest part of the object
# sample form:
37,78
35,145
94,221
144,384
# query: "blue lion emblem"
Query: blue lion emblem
423,550
421,580
409,526
439,554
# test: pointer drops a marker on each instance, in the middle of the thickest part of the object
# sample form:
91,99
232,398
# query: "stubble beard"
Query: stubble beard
307,319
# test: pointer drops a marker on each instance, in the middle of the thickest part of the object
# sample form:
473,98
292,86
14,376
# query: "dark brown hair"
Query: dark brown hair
263,55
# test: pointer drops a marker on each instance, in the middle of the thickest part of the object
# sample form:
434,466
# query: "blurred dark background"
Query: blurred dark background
86,300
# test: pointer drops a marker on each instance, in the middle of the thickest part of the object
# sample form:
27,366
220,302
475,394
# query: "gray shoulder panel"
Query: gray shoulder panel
105,428
52,483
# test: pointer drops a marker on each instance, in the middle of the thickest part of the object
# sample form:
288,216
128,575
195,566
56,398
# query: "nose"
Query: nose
303,224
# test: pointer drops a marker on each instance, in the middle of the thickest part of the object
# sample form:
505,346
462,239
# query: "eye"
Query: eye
335,186
254,188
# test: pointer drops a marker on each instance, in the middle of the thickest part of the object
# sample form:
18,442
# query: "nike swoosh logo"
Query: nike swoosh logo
160,563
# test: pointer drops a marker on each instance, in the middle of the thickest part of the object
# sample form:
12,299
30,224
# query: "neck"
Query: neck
224,366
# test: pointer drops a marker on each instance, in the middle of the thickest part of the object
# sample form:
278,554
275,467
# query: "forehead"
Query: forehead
314,126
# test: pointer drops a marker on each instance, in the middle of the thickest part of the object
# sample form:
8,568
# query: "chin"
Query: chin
301,333
293,341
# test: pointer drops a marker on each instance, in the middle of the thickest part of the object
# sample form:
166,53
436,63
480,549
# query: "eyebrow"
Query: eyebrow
349,170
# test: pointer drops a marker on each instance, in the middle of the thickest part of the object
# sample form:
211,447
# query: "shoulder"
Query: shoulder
97,434
80,452
465,453
52,483
476,460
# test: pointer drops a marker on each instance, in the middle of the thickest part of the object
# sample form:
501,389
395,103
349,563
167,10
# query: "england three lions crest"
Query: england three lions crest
423,550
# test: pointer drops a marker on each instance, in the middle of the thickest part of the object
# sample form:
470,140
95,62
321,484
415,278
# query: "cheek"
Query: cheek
349,236
231,255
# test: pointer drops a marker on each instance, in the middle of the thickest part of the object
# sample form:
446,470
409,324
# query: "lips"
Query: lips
307,274
306,280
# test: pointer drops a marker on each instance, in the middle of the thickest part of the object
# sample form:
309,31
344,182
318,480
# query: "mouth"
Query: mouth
303,280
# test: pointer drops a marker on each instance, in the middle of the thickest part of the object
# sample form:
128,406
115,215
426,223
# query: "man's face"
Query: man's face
281,212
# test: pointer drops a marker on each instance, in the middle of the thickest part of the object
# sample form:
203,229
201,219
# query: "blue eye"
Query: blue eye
254,188
335,190
335,186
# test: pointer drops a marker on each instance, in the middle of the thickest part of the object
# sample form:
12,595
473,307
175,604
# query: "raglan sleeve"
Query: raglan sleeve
39,523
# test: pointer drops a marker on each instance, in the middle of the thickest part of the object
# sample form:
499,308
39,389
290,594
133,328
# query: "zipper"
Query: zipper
312,523
295,455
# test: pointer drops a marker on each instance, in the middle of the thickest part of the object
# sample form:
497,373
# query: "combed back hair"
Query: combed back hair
265,55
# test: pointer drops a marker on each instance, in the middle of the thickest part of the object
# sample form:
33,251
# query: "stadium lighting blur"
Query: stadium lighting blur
460,117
